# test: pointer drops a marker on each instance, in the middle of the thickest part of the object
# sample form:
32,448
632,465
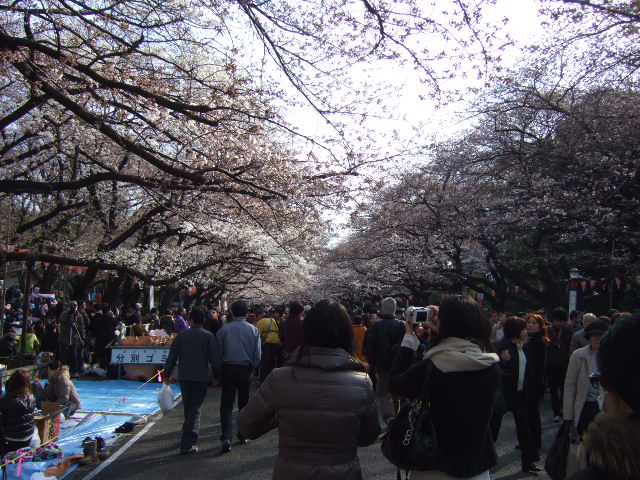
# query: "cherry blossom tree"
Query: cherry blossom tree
139,134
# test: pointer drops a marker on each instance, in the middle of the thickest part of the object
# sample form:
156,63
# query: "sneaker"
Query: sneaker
226,446
193,449
557,419
532,468
243,441
125,428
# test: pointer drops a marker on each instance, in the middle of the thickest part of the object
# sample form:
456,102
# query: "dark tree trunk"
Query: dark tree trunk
82,284
112,293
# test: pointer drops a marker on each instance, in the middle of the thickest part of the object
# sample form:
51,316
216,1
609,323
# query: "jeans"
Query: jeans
234,378
193,395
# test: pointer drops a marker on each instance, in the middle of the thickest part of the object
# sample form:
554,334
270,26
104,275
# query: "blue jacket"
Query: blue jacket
239,344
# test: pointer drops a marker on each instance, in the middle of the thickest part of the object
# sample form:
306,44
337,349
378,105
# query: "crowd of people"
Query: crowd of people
332,378
78,333
339,366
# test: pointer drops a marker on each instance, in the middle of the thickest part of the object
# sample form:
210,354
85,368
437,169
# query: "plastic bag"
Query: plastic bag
165,398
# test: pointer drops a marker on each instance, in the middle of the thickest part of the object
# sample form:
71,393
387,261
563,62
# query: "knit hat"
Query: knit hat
597,327
388,306
73,303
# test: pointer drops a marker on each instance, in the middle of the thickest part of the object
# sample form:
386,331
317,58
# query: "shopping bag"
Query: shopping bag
556,462
165,398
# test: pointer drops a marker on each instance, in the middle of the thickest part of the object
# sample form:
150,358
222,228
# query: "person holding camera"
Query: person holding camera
461,385
72,339
580,396
613,437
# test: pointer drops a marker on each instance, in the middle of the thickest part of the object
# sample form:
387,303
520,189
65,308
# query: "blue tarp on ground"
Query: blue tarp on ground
98,396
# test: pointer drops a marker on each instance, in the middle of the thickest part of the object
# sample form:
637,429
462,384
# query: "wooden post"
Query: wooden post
25,311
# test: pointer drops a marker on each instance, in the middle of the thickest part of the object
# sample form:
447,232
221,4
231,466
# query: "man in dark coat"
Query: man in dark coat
558,359
382,342
103,331
195,349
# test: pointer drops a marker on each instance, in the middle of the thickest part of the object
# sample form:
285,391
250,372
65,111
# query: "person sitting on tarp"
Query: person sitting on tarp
60,388
17,408
32,343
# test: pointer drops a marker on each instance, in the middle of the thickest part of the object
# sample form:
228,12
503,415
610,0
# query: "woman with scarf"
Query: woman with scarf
462,387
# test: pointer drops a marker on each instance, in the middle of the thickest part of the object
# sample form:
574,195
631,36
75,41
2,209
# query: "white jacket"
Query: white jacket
576,384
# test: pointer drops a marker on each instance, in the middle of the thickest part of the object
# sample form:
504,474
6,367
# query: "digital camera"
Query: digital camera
418,315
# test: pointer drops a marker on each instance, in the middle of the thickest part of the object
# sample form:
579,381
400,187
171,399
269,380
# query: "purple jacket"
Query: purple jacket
181,324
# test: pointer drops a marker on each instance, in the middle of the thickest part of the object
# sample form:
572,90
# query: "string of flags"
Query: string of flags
590,284
14,249
617,282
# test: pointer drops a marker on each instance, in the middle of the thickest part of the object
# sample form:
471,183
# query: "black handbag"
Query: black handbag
410,443
556,463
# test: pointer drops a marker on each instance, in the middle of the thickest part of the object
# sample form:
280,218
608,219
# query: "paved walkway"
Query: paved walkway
150,452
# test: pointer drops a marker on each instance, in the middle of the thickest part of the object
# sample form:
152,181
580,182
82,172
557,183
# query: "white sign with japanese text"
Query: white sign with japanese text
124,355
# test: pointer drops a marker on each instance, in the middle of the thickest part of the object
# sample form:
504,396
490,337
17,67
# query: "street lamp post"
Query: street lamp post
574,274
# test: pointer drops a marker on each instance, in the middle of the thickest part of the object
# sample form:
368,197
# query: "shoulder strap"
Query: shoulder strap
271,320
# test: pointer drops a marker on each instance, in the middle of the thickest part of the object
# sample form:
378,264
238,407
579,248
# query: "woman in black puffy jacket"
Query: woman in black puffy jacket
16,412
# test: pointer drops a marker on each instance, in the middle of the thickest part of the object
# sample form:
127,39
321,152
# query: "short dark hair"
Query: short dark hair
239,308
460,316
197,316
513,327
559,314
619,360
55,364
295,308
